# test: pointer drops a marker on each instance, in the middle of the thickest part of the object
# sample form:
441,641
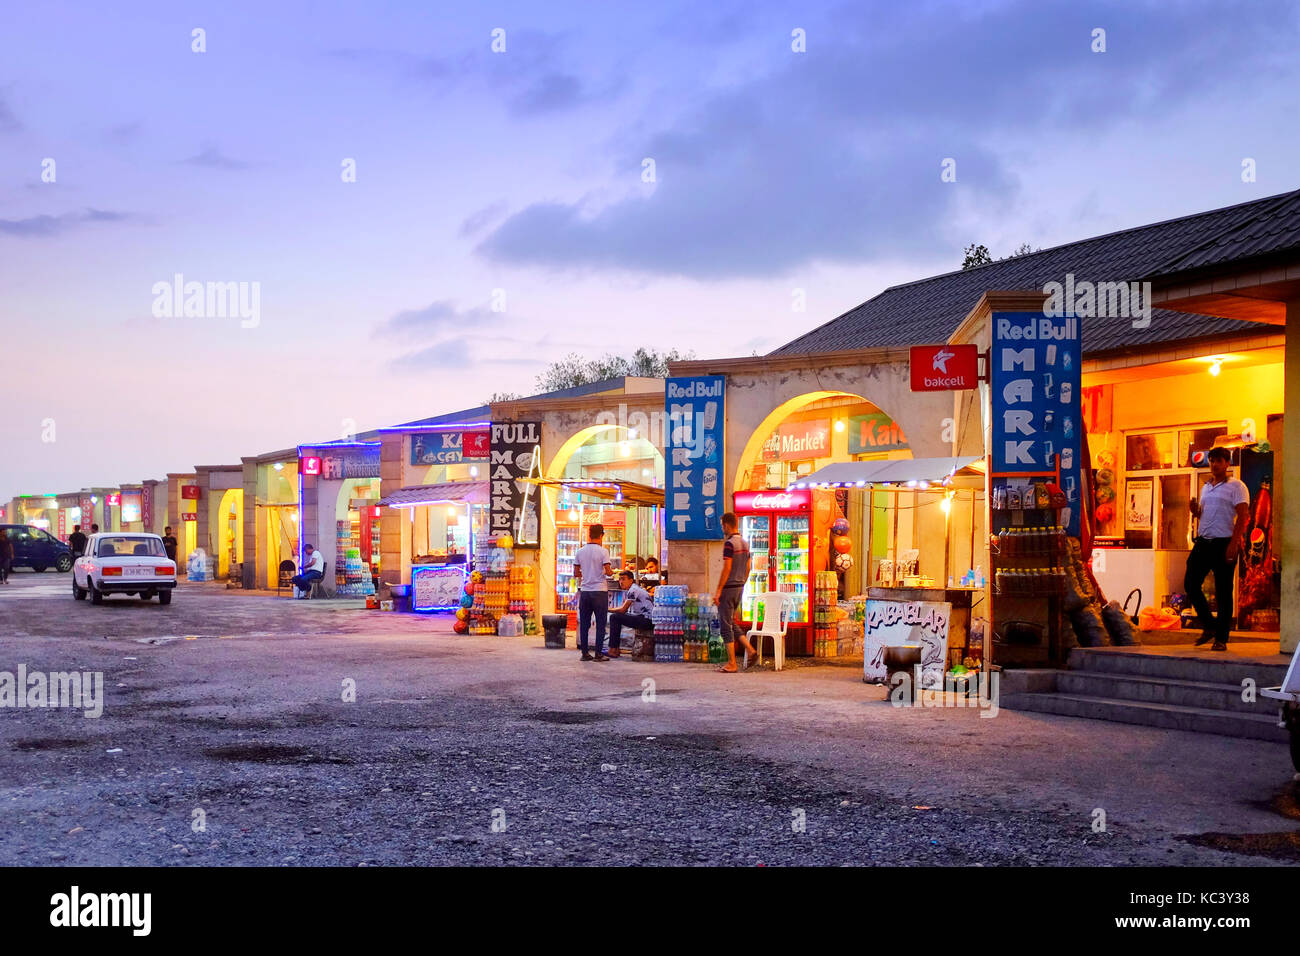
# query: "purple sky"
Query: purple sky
522,171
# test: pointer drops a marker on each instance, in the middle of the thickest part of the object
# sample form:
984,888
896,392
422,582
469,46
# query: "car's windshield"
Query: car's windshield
129,545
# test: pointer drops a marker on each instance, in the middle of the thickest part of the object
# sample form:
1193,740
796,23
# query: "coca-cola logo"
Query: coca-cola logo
773,500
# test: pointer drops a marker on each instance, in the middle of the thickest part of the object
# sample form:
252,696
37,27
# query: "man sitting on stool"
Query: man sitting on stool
315,570
634,612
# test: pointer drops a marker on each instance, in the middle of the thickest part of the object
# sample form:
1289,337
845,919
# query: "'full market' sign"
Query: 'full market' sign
514,507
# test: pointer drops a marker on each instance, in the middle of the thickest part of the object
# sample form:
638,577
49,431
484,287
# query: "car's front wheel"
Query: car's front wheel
64,564
78,593
96,595
164,597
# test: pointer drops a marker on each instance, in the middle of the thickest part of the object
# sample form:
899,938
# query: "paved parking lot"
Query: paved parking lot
226,738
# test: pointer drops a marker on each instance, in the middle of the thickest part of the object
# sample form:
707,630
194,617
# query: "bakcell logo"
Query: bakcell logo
942,368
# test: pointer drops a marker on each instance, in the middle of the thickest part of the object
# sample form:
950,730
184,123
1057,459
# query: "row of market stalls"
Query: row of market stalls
833,463
1023,442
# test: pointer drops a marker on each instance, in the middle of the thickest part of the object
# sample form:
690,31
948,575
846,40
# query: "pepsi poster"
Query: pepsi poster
695,497
1036,385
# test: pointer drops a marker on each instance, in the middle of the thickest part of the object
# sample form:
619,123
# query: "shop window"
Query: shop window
1193,439
1148,451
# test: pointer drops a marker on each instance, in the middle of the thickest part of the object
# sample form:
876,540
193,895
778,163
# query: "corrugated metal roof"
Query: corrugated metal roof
929,310
447,492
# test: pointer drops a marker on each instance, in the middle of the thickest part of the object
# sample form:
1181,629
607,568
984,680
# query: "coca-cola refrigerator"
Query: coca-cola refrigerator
788,533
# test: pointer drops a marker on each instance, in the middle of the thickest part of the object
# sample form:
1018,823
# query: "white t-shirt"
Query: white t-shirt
592,558
1219,507
317,562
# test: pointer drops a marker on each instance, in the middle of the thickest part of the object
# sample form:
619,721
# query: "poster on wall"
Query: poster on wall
130,506
515,447
146,507
1139,502
694,500
890,623
1036,386
87,513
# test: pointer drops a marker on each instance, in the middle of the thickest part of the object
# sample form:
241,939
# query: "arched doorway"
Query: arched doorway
230,538
633,534
888,527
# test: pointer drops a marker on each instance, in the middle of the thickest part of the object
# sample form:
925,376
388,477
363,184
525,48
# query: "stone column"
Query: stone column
1289,514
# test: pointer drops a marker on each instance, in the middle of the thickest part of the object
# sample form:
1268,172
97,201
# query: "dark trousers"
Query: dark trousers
592,603
727,604
4,568
1209,557
620,619
303,582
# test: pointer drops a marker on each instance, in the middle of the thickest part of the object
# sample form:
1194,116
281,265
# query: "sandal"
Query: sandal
724,669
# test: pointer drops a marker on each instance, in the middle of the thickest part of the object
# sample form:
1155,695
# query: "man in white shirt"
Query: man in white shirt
1223,512
313,569
591,566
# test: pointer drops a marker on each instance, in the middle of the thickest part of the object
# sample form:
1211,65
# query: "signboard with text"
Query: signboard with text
1035,381
451,448
891,623
793,499
873,433
514,502
944,368
695,407
799,441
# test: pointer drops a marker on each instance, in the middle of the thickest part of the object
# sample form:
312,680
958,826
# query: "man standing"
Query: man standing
1222,512
634,612
313,571
169,542
731,584
591,566
6,555
77,541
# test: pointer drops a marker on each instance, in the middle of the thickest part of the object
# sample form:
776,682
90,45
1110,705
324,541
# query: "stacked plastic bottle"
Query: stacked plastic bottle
357,578
668,616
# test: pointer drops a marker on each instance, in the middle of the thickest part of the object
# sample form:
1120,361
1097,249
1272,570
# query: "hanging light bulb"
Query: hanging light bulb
1216,366
839,424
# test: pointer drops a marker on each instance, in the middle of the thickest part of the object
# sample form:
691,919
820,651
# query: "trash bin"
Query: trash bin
401,596
904,659
554,626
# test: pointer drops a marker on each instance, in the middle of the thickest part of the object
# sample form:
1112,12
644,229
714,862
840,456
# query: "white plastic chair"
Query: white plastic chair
777,607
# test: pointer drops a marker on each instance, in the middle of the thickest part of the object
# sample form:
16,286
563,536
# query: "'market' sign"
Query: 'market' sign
695,406
1035,368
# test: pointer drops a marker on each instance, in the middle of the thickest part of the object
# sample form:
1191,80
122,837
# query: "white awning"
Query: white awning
865,474
448,492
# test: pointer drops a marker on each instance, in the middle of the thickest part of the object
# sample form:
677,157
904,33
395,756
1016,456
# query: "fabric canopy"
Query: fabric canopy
848,474
621,492
448,492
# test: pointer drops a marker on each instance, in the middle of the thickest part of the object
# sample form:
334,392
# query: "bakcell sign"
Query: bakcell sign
797,499
944,368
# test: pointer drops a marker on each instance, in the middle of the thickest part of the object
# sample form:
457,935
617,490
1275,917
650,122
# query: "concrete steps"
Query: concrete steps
1177,692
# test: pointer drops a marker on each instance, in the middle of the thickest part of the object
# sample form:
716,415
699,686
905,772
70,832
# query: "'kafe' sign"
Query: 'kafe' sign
695,406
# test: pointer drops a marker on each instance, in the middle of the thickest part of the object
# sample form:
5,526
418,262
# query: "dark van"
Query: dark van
37,549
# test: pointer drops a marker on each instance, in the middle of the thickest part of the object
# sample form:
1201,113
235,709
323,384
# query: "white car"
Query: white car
124,563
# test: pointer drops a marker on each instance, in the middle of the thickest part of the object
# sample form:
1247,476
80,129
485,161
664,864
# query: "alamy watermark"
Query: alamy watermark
974,689
208,300
1100,300
76,690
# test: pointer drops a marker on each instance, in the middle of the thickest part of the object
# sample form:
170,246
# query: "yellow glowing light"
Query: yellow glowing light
839,424
1216,366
